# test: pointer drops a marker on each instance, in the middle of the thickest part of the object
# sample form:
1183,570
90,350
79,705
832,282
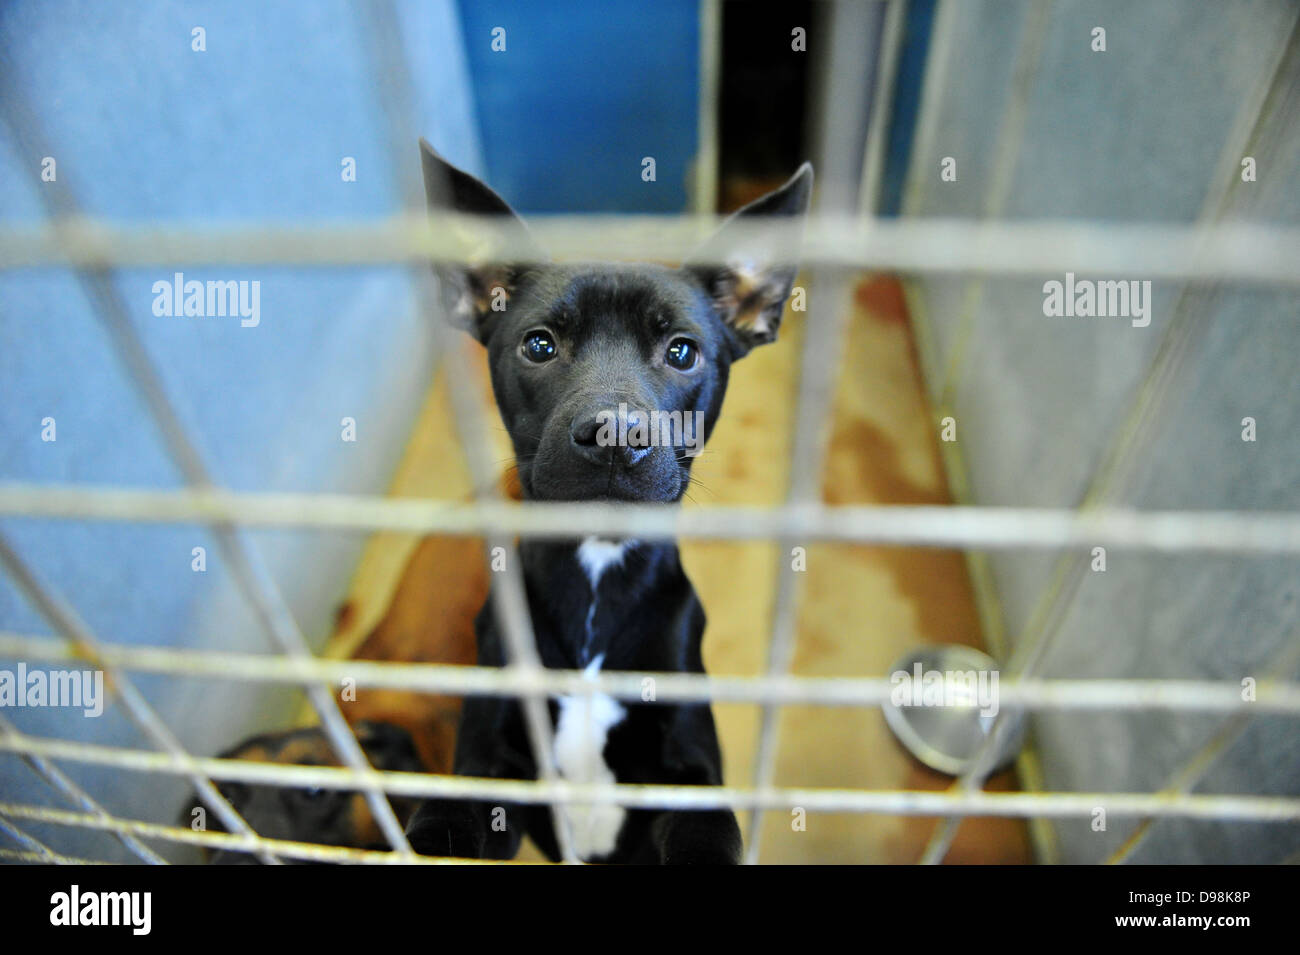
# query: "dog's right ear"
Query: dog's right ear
750,278
472,292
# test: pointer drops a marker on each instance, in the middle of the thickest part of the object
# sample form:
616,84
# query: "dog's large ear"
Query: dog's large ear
472,292
748,270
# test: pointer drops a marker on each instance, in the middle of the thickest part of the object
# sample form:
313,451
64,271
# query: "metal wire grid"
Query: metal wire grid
1252,132
1202,252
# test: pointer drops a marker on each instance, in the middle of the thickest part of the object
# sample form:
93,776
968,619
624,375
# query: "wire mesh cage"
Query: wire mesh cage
1030,516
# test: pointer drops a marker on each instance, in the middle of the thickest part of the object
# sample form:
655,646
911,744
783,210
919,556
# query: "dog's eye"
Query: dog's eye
313,796
539,347
682,354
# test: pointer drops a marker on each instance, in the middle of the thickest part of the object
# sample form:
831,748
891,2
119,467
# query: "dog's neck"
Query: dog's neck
589,587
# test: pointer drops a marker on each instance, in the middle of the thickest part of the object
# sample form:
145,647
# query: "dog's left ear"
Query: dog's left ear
748,270
473,292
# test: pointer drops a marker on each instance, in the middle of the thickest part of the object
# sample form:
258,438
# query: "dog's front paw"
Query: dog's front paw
446,828
699,838
700,855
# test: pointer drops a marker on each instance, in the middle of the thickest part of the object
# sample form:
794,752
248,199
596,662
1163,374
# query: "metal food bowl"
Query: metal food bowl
947,737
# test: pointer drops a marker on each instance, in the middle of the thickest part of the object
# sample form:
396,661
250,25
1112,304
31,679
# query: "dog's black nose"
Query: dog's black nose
585,430
610,434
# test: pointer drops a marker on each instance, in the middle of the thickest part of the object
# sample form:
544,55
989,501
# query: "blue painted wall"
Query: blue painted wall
580,95
909,80
254,128
145,128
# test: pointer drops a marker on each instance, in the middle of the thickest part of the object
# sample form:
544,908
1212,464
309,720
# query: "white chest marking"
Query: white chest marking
597,556
580,734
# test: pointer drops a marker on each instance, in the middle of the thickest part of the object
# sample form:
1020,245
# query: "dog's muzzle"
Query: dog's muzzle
606,451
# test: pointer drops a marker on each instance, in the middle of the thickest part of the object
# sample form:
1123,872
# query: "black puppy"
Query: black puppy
601,373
